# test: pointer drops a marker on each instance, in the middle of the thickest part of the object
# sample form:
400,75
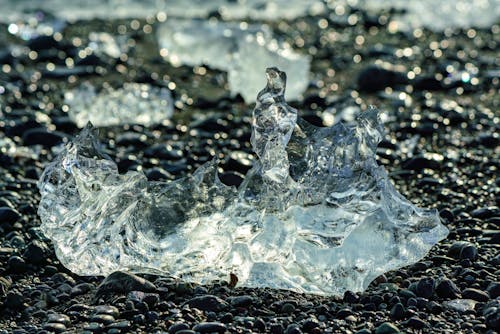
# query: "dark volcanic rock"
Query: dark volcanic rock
120,281
9,215
207,303
374,78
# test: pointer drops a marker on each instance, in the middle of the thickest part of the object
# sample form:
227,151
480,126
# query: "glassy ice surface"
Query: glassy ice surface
134,103
239,51
315,214
109,9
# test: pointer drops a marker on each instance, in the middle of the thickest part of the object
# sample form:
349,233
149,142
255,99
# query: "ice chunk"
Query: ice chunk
239,51
315,214
134,103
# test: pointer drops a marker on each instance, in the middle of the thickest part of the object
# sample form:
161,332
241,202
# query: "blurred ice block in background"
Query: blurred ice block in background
134,103
238,49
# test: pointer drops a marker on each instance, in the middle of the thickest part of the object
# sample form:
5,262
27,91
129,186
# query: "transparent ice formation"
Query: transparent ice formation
315,214
239,51
134,103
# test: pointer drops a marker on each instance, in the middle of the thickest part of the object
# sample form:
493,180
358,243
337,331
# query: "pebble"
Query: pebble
177,327
398,311
103,318
374,78
16,264
9,215
387,328
54,327
416,322
475,294
37,252
447,289
14,300
241,301
210,327
95,327
108,310
207,303
425,287
42,136
287,308
493,289
120,281
59,318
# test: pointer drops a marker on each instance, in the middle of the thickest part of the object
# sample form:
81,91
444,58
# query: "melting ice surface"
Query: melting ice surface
134,103
315,214
228,47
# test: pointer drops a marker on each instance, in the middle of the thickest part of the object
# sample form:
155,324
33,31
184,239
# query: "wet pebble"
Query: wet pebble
9,215
54,327
387,328
210,327
120,281
475,294
207,303
447,289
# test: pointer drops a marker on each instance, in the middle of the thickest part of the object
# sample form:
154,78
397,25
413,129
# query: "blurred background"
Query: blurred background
173,82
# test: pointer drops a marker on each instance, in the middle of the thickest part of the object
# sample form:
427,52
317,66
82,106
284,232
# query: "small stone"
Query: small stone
241,301
16,264
107,309
54,327
9,215
177,327
416,322
42,136
37,252
293,329
374,78
447,289
120,281
210,327
207,303
425,287
14,300
287,308
103,318
81,289
493,289
122,325
60,318
94,327
468,252
387,328
475,294
5,284
398,311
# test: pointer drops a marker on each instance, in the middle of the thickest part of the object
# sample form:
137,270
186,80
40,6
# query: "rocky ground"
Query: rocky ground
439,96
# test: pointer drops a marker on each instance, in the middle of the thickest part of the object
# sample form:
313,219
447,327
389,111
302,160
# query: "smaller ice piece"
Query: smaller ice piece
239,51
134,103
315,214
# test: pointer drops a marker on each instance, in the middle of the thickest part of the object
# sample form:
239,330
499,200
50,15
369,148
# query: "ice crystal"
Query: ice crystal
133,104
315,214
